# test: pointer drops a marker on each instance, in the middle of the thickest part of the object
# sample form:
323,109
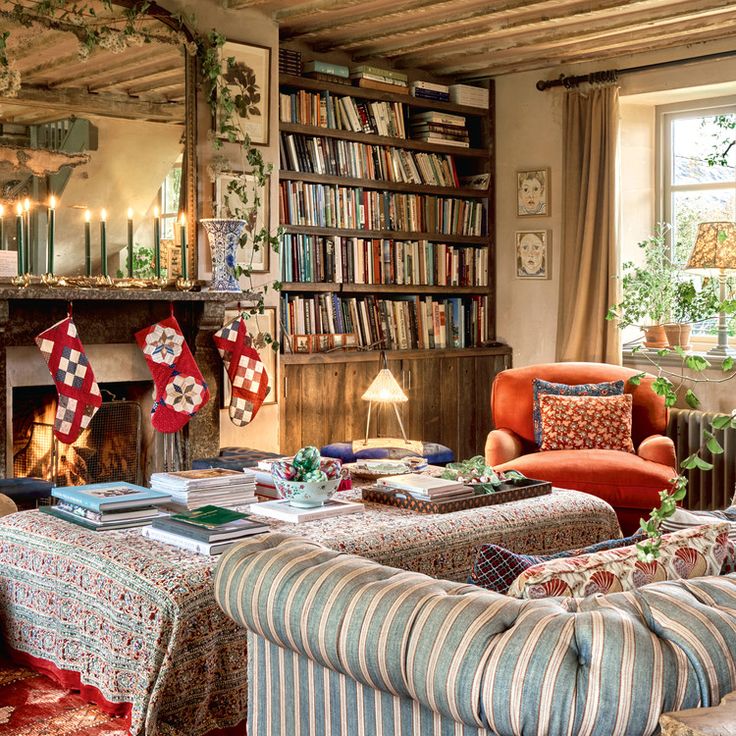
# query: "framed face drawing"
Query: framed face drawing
532,193
533,254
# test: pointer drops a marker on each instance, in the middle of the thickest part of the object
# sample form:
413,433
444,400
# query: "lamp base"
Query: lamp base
415,446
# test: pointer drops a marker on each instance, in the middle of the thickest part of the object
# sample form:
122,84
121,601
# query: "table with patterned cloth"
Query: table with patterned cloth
135,621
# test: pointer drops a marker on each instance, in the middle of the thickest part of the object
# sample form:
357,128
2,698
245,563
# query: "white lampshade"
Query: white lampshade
385,389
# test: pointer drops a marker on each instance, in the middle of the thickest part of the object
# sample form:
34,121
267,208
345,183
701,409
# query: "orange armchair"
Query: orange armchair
629,482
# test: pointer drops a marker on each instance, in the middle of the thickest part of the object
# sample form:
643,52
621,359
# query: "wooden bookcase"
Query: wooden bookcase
448,389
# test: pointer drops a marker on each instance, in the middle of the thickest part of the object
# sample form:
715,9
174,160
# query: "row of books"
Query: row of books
326,205
406,323
366,161
190,489
440,127
290,61
316,259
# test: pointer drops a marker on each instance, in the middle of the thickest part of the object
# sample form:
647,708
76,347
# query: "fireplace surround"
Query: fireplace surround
107,320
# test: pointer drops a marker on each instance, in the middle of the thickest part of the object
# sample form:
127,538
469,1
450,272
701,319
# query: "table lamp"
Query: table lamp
714,253
383,390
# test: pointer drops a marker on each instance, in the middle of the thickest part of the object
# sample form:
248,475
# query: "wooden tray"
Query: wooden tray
507,493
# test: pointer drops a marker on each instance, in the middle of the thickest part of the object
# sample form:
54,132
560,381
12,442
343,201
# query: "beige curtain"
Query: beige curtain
589,227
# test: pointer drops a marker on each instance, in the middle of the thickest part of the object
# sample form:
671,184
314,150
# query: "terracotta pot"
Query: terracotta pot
655,337
678,335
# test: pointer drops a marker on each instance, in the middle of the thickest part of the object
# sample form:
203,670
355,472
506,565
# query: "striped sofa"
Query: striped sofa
343,646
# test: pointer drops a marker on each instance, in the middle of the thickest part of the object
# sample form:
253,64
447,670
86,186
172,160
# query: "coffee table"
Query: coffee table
135,622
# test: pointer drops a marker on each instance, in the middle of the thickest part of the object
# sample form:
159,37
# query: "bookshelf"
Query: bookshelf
448,225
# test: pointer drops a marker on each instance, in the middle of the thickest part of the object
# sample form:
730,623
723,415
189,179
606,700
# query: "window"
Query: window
169,202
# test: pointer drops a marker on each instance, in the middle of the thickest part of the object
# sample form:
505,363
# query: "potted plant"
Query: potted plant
689,305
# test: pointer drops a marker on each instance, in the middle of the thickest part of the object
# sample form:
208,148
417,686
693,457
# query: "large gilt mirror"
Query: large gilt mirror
109,130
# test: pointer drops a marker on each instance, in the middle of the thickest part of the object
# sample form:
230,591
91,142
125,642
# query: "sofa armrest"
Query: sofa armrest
658,449
502,446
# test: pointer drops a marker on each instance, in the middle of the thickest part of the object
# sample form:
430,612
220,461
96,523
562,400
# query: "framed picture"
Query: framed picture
532,193
229,204
533,254
257,323
248,78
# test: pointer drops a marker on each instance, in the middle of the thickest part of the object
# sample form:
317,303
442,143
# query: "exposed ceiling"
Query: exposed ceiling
477,38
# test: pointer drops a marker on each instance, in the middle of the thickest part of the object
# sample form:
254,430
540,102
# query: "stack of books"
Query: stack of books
373,77
326,71
424,487
440,127
466,94
190,489
106,506
430,91
290,61
210,530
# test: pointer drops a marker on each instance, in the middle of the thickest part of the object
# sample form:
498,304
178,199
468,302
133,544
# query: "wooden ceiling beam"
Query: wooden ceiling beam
131,75
154,82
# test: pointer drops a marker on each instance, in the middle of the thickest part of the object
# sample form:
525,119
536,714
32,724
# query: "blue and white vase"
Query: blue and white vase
224,237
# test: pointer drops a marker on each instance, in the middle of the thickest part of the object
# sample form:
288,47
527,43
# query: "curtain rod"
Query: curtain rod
611,75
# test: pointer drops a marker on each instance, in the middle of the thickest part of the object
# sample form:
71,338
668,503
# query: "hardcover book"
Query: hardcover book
107,496
94,526
283,511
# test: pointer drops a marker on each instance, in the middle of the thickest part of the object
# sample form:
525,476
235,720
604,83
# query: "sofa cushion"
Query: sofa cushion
689,553
683,519
586,422
540,386
495,567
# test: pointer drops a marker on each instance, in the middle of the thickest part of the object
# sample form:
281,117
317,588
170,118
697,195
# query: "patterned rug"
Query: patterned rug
33,705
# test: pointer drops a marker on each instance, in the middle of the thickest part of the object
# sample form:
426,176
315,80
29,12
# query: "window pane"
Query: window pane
691,208
693,141
171,189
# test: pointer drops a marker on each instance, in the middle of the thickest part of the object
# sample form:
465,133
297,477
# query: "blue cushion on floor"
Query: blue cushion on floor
233,458
435,453
25,489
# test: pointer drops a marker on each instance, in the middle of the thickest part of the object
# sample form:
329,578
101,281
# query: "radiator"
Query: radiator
706,489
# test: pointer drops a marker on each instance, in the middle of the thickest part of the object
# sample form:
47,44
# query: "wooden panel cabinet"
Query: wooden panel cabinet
449,397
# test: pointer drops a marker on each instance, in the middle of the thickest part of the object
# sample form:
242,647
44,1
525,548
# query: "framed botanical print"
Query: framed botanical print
533,254
229,204
246,70
257,323
532,193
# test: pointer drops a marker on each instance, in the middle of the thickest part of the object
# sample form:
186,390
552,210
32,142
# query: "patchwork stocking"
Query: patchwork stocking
79,394
244,368
180,391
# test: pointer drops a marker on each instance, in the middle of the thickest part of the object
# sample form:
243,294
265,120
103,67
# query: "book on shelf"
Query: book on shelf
210,524
430,91
91,524
326,67
383,86
107,496
318,155
283,511
334,206
290,61
466,94
349,260
408,322
393,84
439,117
378,71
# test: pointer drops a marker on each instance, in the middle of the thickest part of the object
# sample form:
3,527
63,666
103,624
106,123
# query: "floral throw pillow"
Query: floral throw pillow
686,554
586,422
540,386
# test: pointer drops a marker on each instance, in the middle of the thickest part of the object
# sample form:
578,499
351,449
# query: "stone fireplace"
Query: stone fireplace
106,320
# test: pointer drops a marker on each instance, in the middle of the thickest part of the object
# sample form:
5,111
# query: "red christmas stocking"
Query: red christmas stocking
244,368
180,392
79,394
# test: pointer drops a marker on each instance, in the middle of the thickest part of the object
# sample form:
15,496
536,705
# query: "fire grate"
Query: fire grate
108,450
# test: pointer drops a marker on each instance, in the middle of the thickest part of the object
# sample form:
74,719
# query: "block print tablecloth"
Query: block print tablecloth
138,620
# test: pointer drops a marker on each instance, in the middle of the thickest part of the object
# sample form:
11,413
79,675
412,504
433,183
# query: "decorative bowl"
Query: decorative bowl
306,494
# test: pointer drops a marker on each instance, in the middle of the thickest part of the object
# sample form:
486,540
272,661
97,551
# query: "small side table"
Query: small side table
719,720
434,453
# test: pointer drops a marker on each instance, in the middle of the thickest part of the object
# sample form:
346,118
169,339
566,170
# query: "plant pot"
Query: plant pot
655,337
678,335
224,238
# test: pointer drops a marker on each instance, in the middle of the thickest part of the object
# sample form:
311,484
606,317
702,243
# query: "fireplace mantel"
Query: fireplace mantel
111,317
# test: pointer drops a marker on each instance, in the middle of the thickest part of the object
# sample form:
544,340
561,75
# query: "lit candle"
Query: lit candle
87,243
103,241
130,242
52,228
19,236
2,228
183,235
157,242
27,236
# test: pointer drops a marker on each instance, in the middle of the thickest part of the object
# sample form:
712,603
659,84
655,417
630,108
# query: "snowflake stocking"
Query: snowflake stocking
79,394
245,370
180,392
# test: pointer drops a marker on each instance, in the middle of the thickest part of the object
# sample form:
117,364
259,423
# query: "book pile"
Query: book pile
424,487
430,91
373,77
290,61
209,530
440,127
326,71
190,489
105,506
283,511
466,94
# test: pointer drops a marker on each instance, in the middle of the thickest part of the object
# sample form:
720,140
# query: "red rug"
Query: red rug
33,705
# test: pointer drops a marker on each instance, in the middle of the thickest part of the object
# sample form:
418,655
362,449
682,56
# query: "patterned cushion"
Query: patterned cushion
495,567
540,386
586,422
689,553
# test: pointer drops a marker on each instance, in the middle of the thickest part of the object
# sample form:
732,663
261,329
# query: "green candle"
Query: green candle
157,242
130,243
2,228
19,237
52,229
183,235
27,236
103,242
87,243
